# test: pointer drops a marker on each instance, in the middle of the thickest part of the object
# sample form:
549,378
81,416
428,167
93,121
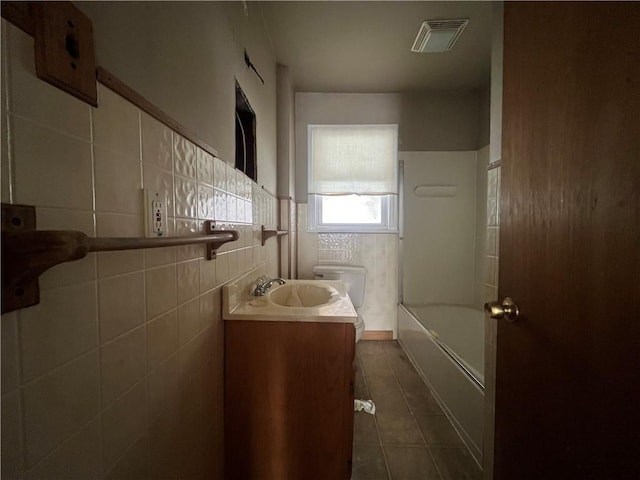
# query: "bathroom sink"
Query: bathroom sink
324,301
303,295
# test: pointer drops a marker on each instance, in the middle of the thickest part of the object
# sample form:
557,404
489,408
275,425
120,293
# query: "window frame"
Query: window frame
246,159
388,224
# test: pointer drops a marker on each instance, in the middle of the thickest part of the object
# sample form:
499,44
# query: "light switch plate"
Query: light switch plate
64,53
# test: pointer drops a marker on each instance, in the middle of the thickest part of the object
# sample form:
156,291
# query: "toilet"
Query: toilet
353,277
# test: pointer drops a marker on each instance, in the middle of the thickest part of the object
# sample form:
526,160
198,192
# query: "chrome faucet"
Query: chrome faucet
263,284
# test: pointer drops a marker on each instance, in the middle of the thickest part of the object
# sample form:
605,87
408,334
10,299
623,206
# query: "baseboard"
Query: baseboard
377,335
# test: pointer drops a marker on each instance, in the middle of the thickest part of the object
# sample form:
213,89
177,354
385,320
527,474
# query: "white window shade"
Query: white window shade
348,159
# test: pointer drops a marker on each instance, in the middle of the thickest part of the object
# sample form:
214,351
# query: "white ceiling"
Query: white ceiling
365,46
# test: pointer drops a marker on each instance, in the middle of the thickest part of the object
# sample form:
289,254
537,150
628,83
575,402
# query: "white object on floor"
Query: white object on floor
364,405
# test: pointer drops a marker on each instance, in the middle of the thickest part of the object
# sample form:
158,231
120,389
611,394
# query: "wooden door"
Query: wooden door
568,371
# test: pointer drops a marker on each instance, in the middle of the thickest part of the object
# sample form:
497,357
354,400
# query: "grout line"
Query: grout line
375,420
435,464
5,80
413,415
59,367
53,128
124,454
61,443
99,357
23,416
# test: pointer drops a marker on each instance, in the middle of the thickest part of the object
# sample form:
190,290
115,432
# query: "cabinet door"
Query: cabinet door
288,400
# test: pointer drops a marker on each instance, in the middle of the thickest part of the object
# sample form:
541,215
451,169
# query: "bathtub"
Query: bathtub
459,330
452,365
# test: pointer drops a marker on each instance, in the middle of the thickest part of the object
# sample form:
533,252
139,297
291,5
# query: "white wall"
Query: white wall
484,117
439,233
437,121
184,57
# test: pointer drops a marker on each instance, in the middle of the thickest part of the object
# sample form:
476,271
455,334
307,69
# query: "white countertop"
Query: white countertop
239,304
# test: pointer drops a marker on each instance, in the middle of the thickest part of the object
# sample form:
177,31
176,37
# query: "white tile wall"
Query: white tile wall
12,454
493,233
116,124
9,337
122,424
378,253
157,143
121,304
122,363
162,338
118,372
135,463
118,181
58,404
77,457
491,294
54,162
57,330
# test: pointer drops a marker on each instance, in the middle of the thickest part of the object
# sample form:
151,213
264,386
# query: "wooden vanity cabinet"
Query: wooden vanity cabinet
288,400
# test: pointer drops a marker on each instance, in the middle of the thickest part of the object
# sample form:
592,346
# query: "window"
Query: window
245,136
353,178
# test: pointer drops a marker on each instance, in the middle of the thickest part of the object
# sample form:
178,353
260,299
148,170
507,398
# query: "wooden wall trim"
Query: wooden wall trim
19,14
109,80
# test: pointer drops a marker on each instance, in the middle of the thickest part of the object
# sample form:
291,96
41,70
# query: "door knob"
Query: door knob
507,310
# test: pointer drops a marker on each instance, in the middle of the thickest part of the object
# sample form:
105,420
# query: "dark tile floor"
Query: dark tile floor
409,438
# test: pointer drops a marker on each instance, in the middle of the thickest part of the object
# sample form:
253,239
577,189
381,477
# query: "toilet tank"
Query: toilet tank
353,277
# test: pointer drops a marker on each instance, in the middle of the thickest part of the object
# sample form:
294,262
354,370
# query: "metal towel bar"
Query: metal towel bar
27,252
267,234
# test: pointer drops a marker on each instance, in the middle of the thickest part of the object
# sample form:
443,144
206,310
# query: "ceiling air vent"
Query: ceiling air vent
438,35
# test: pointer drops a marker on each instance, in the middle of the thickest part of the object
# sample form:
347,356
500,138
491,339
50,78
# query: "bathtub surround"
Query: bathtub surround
459,330
440,232
443,264
118,372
